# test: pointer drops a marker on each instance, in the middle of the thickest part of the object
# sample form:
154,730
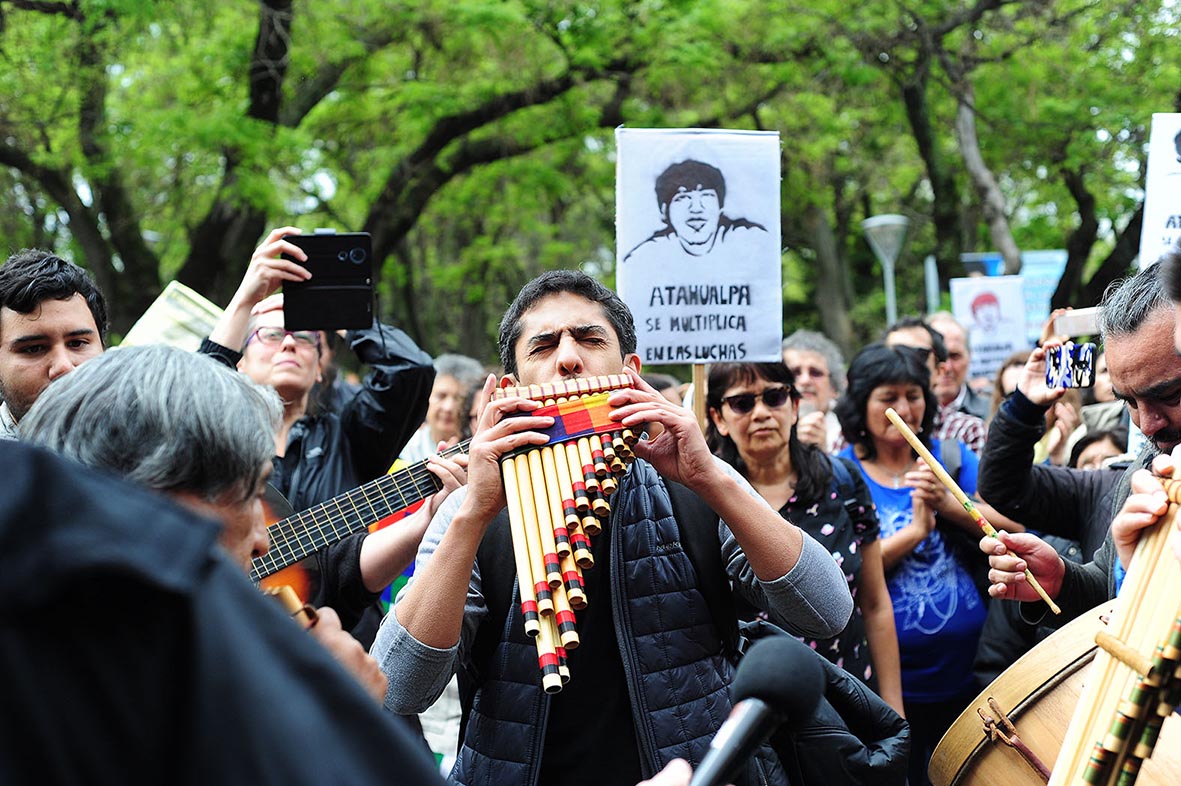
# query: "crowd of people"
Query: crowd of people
817,515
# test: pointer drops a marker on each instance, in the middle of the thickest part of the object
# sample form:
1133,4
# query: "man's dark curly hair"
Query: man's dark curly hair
555,282
32,276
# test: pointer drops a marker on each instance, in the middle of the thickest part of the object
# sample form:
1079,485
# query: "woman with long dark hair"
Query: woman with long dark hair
753,410
938,610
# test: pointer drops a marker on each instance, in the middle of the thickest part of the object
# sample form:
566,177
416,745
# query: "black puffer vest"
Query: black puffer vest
677,673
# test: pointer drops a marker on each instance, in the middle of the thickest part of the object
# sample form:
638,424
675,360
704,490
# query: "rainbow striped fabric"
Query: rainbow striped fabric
579,417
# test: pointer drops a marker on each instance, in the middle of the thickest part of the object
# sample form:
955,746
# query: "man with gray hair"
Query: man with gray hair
172,665
1137,326
819,368
950,383
182,424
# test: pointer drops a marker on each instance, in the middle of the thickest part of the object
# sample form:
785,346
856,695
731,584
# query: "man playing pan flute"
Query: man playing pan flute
649,681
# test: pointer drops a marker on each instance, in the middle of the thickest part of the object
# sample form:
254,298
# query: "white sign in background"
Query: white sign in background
993,310
1162,189
697,243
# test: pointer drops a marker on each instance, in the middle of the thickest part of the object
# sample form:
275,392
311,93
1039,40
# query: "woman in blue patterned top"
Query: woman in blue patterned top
754,409
938,612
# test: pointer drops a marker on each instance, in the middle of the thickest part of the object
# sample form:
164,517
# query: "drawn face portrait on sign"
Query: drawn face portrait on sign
986,311
691,195
698,243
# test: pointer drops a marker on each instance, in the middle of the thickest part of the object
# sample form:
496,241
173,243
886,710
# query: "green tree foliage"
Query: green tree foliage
473,139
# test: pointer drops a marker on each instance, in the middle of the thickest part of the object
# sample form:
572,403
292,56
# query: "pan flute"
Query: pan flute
557,498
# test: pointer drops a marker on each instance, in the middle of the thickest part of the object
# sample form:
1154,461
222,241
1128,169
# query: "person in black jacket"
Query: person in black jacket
1069,503
319,455
134,651
182,425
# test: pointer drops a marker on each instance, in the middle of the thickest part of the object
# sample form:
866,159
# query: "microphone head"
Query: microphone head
782,672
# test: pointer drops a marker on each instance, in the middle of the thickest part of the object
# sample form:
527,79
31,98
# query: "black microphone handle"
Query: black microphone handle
750,722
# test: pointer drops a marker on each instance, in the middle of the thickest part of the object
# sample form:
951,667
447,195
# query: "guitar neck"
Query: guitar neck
308,531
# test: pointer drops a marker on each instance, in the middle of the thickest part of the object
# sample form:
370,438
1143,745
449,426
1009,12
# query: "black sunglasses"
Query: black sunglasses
774,398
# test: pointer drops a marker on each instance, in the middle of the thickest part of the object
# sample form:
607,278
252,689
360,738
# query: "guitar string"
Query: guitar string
303,534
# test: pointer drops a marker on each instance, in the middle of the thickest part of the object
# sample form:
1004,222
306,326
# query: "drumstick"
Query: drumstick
960,496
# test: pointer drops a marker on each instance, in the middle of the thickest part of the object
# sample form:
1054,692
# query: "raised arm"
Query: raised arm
393,399
264,275
805,588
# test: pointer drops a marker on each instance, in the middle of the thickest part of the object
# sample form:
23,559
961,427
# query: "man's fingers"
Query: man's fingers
990,545
1162,465
1006,564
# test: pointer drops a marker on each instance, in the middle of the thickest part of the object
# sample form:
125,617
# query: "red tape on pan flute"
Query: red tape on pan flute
557,495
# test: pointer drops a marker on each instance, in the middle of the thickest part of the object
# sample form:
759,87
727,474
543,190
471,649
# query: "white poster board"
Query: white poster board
993,310
1162,189
697,243
179,317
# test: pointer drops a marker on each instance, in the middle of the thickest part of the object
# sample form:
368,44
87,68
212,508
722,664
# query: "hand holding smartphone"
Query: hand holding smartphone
1070,365
339,294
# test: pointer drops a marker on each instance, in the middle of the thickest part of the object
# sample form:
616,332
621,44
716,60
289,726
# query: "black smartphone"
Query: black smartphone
1070,366
339,294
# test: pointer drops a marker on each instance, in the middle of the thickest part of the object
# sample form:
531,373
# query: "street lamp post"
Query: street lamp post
886,235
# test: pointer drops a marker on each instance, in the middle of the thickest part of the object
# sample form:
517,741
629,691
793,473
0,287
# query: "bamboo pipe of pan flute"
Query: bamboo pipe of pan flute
569,587
547,656
545,521
961,497
557,484
564,619
516,518
576,547
537,572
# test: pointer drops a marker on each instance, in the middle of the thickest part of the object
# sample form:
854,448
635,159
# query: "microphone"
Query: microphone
778,679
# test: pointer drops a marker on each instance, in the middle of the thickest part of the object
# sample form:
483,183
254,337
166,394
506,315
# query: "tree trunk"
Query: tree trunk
1118,262
945,202
830,287
220,244
993,201
1078,244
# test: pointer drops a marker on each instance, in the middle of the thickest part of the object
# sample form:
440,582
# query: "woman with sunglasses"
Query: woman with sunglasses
753,418
320,454
938,610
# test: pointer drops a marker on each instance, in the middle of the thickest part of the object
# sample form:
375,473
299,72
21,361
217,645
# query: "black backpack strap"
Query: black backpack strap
844,483
698,524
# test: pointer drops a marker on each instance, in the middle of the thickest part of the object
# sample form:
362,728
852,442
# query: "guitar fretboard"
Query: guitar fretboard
308,531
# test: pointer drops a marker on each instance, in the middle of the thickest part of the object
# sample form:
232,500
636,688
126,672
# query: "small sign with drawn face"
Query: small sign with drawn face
697,243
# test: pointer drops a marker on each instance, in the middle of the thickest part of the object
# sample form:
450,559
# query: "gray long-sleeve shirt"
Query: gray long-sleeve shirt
811,599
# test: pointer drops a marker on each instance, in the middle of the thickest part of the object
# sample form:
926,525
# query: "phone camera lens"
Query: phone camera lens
357,256
343,256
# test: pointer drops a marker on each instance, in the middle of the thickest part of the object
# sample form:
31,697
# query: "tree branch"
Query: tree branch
70,10
1118,261
311,90
1080,241
268,66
